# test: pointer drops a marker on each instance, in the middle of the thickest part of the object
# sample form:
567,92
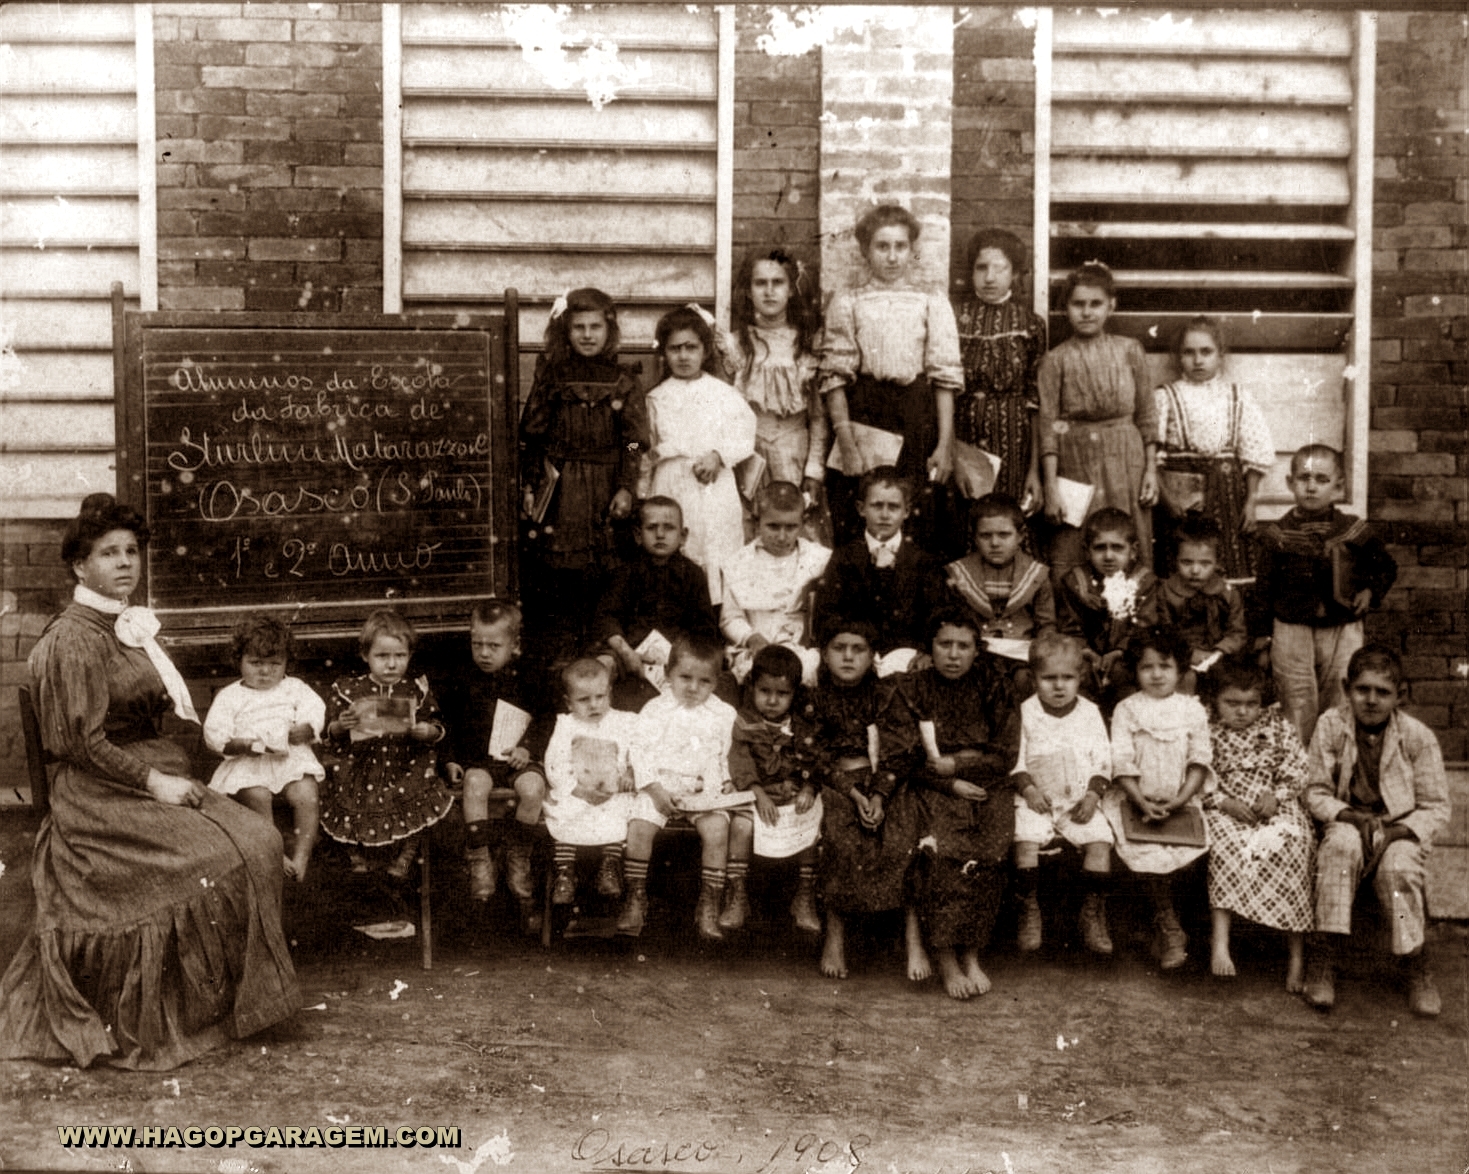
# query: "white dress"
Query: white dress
585,765
1062,755
1156,739
265,716
771,597
686,419
685,750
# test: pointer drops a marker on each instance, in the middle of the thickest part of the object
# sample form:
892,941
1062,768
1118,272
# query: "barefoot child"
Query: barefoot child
469,695
1377,788
1063,769
1260,839
773,756
768,583
1160,763
589,768
264,725
869,820
385,788
680,759
962,715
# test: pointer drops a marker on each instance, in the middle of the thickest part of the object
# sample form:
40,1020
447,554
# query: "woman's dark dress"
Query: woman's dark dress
1002,348
862,871
960,877
157,932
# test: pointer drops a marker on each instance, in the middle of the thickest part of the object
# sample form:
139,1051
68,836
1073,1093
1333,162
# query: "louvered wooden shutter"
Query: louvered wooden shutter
1220,163
511,180
69,228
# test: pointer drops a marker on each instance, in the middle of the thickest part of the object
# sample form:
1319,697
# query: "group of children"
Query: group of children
914,724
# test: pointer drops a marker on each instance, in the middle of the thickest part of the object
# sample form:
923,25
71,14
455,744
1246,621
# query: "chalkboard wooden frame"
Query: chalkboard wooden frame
464,472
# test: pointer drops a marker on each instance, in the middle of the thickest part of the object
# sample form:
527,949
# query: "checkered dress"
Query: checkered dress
1263,871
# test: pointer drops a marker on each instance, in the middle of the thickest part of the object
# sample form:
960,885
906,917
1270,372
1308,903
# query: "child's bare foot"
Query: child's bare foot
920,969
834,952
1295,971
957,984
978,977
1221,965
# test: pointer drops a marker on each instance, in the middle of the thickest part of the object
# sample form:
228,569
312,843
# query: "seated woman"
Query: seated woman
157,933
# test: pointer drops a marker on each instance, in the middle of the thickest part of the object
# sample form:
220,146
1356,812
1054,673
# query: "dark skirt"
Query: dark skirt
865,871
959,880
1224,501
157,934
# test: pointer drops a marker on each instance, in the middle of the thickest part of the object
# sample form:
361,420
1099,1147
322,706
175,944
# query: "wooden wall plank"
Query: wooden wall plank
521,222
1236,181
55,222
667,73
62,375
83,323
63,68
588,173
572,120
1200,79
57,118
64,169
613,22
60,271
1202,30
52,485
547,274
59,427
1227,130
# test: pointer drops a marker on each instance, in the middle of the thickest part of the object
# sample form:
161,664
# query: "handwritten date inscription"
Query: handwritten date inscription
298,467
600,1150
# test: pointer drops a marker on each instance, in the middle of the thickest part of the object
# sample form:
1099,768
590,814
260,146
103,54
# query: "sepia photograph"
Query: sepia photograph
734,589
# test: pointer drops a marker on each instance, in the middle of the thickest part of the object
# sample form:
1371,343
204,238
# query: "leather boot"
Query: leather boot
706,913
736,904
563,891
517,866
1172,943
609,876
481,873
1094,924
1423,996
803,908
634,908
1028,936
403,863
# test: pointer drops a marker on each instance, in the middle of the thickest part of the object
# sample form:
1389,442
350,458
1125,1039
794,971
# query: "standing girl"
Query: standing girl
1097,422
1261,861
1161,760
700,428
264,725
385,787
587,420
1212,429
772,357
891,360
1002,342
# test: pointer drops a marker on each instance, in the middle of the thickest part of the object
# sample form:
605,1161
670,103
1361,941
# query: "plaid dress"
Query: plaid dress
1261,871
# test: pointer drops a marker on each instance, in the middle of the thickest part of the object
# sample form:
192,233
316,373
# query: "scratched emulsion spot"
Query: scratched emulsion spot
599,69
797,30
12,368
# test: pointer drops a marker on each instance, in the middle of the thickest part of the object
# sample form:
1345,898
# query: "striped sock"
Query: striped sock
634,871
713,877
564,856
612,852
807,875
736,870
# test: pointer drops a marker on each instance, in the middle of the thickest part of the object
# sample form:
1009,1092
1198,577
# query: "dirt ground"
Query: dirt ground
661,1055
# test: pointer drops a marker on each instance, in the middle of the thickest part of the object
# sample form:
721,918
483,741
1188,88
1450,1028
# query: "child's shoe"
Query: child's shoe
609,876
803,908
563,891
706,913
1028,937
403,863
1171,944
1094,924
517,867
634,908
736,904
481,873
1423,996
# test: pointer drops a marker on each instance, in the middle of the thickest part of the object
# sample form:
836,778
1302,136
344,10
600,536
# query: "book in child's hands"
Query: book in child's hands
550,474
875,446
377,716
1183,827
1077,500
656,646
507,728
748,475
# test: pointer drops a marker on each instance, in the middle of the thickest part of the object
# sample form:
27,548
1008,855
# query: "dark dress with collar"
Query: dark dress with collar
157,934
960,875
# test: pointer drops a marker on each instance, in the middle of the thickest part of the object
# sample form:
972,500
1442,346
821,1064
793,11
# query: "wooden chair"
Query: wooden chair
38,761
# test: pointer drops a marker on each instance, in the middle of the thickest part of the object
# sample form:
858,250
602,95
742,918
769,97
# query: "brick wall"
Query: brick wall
994,130
777,129
269,156
36,587
887,88
1418,470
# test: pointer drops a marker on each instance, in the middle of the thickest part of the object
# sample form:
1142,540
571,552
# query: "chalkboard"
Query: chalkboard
318,466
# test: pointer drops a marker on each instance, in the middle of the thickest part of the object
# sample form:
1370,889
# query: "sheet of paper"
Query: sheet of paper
715,802
895,661
876,446
929,733
792,833
1076,500
975,470
654,651
1009,649
874,746
377,716
507,728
